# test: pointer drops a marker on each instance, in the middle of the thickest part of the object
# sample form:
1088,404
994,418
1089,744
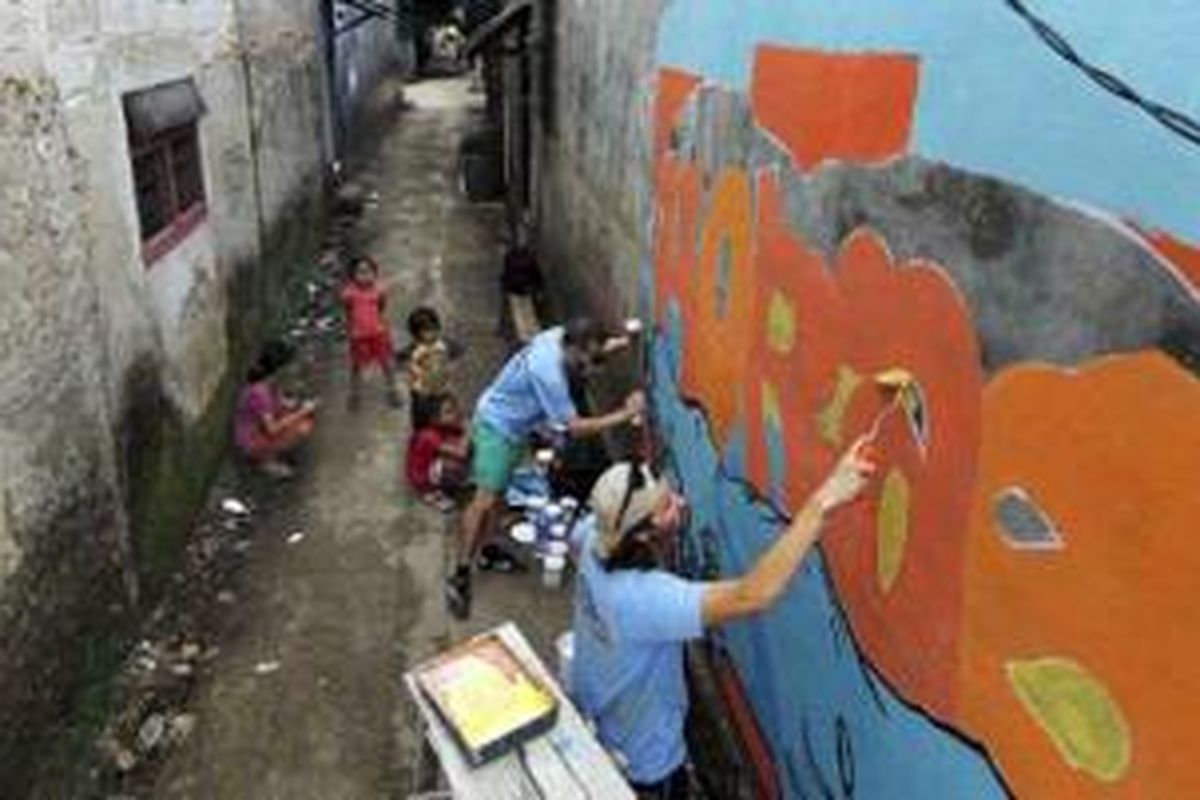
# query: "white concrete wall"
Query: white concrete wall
82,316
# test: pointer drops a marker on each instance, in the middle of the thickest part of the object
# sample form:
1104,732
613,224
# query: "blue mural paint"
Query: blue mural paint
776,461
993,97
817,701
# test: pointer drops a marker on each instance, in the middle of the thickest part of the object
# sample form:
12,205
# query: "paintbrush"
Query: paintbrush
899,383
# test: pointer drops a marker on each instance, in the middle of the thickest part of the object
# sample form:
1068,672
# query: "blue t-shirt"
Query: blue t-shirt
627,670
530,391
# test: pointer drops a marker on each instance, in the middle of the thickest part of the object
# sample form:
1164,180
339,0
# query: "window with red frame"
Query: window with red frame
168,179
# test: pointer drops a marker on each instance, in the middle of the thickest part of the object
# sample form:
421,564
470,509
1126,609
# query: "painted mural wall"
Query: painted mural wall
1004,199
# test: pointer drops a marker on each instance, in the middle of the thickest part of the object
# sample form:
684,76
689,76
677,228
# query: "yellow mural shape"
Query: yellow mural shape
772,415
829,421
892,525
1078,713
781,324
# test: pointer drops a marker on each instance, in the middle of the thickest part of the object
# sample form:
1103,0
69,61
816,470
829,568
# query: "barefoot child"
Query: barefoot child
269,426
438,453
364,298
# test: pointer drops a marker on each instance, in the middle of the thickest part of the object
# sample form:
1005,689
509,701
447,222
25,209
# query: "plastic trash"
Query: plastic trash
235,507
527,486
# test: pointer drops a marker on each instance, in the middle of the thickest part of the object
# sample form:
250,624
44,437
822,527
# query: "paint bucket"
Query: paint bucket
523,533
564,645
549,516
552,571
556,549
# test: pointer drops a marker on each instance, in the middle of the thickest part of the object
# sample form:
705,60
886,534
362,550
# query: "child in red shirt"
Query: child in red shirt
364,298
438,455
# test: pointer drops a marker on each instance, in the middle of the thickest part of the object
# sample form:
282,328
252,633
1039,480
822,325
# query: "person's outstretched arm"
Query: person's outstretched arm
761,587
633,408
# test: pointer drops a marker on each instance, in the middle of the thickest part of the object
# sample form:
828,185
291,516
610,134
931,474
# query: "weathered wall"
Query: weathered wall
364,55
838,189
594,197
116,377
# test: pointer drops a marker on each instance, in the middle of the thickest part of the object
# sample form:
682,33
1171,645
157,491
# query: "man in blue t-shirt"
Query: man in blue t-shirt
632,616
532,391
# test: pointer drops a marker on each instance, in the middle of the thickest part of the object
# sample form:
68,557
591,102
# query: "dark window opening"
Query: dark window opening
168,176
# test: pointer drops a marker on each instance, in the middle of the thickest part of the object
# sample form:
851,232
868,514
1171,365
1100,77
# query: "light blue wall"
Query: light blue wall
993,97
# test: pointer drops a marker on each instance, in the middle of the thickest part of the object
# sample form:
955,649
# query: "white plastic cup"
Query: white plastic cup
552,571
556,548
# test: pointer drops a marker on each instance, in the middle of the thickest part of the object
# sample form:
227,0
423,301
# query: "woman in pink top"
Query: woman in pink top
268,426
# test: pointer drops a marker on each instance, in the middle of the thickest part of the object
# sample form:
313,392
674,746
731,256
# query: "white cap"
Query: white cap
608,496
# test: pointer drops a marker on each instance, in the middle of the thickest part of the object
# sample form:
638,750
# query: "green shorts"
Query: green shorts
494,458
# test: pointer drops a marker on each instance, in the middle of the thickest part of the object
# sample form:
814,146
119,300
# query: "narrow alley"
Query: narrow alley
345,610
830,373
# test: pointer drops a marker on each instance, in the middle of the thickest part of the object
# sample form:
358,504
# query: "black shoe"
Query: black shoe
493,558
458,596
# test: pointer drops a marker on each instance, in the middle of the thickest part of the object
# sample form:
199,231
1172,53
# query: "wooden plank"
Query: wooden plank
524,316
567,763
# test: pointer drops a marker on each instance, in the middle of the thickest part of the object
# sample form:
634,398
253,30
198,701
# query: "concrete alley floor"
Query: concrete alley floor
347,609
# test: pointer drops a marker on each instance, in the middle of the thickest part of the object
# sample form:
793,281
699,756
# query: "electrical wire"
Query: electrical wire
1174,120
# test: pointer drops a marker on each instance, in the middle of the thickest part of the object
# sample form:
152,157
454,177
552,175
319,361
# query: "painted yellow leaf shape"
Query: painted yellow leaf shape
781,324
1077,711
829,421
772,415
892,529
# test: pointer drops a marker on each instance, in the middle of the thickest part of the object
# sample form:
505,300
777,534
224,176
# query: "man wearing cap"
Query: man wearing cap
632,616
531,391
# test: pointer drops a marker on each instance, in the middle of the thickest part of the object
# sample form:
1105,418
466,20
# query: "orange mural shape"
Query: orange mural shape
675,89
1023,567
853,107
1183,256
863,316
770,333
1080,660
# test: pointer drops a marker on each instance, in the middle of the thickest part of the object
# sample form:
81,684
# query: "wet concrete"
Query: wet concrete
345,610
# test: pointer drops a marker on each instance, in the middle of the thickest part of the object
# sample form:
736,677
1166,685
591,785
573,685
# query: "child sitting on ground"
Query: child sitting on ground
364,298
428,360
269,426
438,454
